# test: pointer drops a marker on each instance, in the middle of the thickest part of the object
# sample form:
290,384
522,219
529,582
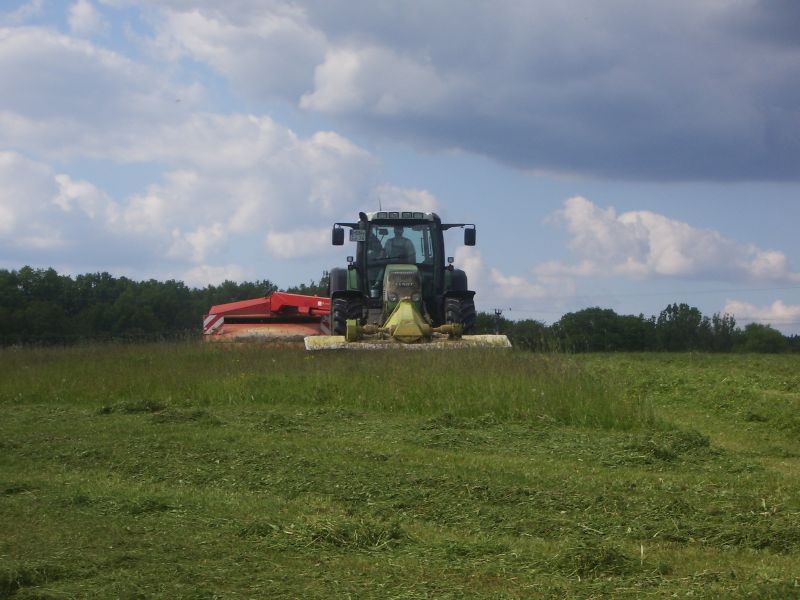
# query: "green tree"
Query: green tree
312,288
637,333
530,334
487,323
591,330
762,338
678,328
723,329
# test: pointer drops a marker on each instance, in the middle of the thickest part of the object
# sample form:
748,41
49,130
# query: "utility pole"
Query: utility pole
498,312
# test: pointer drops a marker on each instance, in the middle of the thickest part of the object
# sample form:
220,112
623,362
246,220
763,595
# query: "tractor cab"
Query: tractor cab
412,245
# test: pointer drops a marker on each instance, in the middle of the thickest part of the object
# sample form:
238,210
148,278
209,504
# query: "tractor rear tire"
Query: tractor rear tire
461,311
343,309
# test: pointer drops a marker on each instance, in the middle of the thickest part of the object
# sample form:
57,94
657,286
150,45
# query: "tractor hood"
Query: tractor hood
401,282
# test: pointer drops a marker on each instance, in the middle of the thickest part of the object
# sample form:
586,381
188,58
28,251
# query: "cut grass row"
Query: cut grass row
185,471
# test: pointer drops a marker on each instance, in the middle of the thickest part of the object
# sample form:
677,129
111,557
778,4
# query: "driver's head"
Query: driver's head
398,231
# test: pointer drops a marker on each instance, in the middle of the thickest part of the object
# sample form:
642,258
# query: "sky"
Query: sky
625,154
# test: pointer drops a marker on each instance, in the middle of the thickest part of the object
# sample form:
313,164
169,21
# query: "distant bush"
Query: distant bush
677,328
762,338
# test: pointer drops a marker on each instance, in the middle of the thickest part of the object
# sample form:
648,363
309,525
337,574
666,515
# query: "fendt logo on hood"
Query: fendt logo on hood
404,280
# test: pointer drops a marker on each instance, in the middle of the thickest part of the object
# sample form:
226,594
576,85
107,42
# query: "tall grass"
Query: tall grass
504,385
200,471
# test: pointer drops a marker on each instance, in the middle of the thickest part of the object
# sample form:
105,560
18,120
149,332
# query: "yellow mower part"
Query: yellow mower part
338,342
352,333
406,326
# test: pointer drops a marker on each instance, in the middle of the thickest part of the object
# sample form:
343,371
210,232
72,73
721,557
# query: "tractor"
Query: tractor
397,287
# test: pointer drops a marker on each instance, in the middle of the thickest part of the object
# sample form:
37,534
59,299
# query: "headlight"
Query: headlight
415,297
392,297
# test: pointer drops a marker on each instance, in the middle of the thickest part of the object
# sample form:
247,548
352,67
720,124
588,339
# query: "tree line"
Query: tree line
677,328
42,306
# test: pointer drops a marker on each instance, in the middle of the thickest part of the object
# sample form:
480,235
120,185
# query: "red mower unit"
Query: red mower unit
279,316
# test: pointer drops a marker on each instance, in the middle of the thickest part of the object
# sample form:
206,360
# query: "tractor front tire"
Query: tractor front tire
343,309
460,311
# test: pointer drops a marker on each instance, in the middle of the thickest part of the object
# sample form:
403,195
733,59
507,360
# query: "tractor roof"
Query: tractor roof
400,215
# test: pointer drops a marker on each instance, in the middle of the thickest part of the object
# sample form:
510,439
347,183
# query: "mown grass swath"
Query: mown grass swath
188,471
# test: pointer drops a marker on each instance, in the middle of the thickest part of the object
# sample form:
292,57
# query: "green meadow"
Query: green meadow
226,471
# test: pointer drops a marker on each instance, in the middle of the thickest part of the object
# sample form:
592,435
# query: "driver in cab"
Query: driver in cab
400,248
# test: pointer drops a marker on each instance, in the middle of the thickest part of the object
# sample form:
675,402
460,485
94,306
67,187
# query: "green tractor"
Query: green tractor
398,288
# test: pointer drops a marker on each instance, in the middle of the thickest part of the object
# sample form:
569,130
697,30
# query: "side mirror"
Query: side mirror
337,236
469,237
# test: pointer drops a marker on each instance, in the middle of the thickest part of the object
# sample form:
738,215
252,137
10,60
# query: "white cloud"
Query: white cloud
21,14
81,195
298,243
180,222
556,270
495,288
392,196
375,80
265,50
636,244
516,287
273,49
198,245
141,214
469,260
25,188
239,142
226,178
204,275
642,244
241,176
229,179
108,106
770,265
46,213
785,317
324,155
85,19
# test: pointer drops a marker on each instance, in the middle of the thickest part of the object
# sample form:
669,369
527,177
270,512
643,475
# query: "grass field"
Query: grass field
190,471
